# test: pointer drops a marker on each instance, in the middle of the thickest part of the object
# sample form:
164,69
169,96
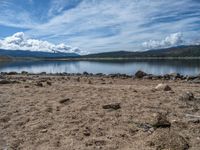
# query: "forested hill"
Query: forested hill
181,51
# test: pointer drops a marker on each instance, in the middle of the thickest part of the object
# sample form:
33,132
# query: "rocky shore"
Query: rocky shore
138,75
98,111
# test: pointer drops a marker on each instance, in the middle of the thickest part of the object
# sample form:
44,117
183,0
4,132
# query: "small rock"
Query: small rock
86,132
43,73
188,78
160,121
4,81
147,77
166,76
89,82
40,84
188,96
174,75
49,109
64,101
4,119
163,87
12,73
85,73
114,106
24,72
196,81
49,83
145,126
78,79
43,130
168,140
140,74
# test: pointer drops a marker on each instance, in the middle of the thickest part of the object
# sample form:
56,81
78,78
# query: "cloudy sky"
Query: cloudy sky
98,25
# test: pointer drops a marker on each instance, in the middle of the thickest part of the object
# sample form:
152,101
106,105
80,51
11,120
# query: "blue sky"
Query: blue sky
100,25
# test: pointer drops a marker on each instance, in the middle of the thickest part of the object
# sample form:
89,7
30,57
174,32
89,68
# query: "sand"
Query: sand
45,112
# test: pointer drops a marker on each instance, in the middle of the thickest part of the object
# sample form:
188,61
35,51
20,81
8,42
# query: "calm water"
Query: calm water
159,67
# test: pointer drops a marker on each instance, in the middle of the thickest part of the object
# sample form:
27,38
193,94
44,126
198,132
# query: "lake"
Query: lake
157,67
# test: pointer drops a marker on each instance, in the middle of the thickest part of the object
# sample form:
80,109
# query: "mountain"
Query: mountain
180,51
35,54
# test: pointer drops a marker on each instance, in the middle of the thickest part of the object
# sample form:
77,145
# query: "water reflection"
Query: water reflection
159,67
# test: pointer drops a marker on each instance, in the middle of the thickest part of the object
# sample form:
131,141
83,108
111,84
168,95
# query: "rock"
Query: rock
174,76
145,126
4,81
197,81
99,74
113,106
43,130
4,119
42,73
89,82
160,121
78,79
188,96
113,75
166,76
140,74
147,77
188,78
24,72
163,87
171,140
49,83
40,84
85,73
12,73
64,101
49,109
86,132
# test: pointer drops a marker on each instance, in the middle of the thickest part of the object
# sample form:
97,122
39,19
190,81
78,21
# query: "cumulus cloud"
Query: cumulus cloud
104,25
19,41
174,39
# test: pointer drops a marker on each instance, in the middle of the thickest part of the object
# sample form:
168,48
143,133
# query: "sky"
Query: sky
92,26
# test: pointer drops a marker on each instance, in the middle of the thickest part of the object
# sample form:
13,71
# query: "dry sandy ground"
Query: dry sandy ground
67,113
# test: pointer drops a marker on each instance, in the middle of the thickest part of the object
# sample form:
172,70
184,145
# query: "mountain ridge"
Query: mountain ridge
35,54
179,51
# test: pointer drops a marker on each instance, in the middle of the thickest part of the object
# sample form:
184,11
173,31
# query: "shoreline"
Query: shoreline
94,59
138,75
109,112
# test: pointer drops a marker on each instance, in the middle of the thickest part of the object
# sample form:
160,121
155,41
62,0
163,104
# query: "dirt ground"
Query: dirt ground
42,112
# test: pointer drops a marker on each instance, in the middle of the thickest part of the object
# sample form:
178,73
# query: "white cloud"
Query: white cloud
19,41
174,39
105,25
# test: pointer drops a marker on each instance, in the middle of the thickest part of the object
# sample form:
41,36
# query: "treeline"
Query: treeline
181,51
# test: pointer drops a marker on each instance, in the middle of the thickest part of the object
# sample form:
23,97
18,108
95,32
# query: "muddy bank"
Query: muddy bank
86,111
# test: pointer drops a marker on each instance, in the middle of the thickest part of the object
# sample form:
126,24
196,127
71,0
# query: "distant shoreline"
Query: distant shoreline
96,59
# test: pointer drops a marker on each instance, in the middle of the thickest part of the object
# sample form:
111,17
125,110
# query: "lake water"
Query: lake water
158,67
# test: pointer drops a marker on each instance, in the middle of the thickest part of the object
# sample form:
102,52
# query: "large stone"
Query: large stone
174,76
163,87
24,72
4,81
113,106
140,74
168,140
161,121
187,96
12,73
63,101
